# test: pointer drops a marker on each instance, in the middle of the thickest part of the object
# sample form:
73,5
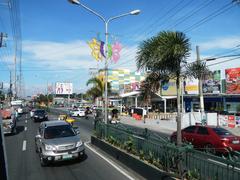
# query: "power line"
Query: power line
223,61
191,13
226,52
216,13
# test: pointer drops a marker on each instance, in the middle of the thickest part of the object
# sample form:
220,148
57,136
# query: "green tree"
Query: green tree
98,87
165,55
200,71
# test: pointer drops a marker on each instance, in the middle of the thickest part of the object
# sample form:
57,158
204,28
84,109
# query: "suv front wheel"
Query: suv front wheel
44,162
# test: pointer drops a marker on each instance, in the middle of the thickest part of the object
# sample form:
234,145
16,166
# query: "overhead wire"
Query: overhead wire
218,12
206,3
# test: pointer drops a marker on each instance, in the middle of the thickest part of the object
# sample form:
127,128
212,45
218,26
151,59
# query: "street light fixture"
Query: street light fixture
106,22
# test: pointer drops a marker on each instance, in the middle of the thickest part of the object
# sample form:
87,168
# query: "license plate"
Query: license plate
67,156
235,142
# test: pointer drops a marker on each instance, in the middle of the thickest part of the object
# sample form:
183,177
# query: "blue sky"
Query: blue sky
55,35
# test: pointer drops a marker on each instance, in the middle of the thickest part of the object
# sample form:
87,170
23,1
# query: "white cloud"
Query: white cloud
57,55
220,43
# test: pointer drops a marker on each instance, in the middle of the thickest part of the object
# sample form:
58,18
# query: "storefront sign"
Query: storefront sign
169,88
190,86
231,121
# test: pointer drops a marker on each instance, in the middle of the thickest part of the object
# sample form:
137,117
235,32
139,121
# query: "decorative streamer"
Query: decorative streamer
98,53
116,48
102,49
95,46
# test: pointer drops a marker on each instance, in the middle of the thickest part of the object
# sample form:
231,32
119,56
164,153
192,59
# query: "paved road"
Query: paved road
24,164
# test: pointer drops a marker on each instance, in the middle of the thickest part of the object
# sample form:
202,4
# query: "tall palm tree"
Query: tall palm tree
200,71
165,55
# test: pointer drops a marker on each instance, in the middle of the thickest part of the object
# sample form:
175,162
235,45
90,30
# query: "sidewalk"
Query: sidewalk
163,126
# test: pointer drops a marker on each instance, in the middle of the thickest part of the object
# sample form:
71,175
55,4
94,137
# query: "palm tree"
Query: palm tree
200,71
165,55
98,87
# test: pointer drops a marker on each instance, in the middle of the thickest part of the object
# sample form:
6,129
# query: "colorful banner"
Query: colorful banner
232,81
99,51
213,83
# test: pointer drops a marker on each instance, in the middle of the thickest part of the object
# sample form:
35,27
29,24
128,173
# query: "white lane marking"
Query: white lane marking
25,129
25,121
26,116
24,145
110,162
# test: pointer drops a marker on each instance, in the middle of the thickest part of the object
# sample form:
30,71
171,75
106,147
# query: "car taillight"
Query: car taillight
225,141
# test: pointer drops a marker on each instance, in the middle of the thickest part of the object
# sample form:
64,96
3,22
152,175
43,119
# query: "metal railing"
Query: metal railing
181,161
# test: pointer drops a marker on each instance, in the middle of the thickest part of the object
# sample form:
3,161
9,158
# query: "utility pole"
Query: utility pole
2,36
3,157
1,39
10,87
200,87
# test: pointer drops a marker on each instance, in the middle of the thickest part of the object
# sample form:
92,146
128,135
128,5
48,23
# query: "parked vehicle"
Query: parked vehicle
209,138
58,141
9,122
77,113
40,115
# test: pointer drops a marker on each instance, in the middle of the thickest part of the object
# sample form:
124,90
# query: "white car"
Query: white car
77,113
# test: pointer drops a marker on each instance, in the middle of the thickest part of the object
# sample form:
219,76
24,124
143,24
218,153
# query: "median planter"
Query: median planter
146,170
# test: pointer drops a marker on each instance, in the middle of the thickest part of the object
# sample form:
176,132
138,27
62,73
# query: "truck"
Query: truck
9,123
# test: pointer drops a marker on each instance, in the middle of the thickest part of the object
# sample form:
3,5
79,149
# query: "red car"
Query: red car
209,138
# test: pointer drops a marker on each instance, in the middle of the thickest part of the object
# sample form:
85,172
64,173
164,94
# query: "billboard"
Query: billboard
64,88
190,86
213,83
232,81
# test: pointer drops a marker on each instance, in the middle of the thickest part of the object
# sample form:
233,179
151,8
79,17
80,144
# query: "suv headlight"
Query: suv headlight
79,143
49,147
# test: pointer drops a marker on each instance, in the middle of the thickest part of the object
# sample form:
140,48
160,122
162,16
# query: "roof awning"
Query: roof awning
158,97
133,93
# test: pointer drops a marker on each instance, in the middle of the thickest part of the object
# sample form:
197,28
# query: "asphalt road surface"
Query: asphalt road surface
24,164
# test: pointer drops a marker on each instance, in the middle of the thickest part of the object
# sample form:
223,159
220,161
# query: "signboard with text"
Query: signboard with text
64,88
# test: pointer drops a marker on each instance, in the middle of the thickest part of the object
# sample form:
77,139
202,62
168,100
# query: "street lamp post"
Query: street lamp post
106,22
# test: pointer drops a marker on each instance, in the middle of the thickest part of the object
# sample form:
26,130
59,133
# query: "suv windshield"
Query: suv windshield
221,132
58,132
39,112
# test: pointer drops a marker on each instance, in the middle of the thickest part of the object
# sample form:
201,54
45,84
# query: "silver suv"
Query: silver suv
58,141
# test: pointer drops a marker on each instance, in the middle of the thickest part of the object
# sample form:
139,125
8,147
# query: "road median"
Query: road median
146,170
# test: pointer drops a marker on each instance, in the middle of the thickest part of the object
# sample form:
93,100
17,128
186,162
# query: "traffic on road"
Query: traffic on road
57,150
